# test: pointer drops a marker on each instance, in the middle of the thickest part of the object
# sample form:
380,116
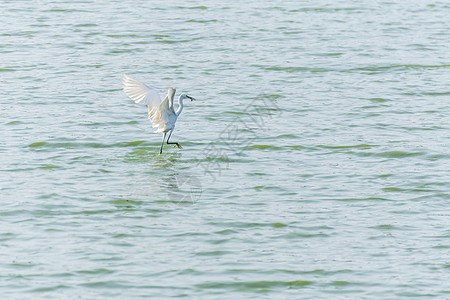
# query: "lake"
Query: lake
315,160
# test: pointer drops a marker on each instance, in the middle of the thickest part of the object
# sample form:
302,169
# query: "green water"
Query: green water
314,162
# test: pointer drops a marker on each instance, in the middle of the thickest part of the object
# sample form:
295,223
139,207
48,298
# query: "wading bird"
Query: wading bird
161,113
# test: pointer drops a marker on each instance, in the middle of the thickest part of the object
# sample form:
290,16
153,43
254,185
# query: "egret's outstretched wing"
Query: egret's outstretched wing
171,94
140,92
160,113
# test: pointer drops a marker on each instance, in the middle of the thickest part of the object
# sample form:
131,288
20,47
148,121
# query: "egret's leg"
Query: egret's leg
164,137
178,145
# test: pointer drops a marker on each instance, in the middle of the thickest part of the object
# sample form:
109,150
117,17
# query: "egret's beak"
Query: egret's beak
191,98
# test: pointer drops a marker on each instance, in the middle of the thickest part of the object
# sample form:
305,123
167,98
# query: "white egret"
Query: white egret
161,113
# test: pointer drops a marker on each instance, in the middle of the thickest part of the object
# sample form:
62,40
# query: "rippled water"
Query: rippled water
315,161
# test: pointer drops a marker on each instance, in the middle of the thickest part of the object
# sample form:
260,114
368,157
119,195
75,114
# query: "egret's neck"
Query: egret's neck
180,105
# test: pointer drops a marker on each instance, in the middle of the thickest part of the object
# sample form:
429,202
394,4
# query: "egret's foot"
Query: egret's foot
179,146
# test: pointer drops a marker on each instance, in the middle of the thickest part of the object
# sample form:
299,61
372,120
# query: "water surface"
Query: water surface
314,163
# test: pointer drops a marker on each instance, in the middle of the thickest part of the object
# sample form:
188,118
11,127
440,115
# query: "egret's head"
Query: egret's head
187,96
